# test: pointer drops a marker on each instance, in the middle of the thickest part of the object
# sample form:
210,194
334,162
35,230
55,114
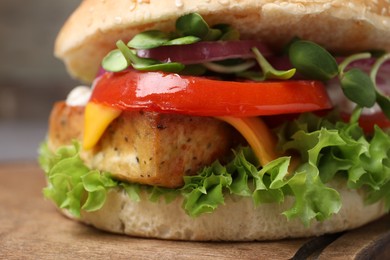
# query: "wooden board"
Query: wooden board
31,228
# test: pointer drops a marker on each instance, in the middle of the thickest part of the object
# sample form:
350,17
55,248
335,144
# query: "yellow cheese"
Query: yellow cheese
258,136
96,119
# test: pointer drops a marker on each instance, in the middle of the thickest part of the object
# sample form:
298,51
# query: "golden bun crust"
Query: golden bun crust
237,220
338,25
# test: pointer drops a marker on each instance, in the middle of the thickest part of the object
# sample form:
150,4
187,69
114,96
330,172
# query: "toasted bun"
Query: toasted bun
237,220
338,25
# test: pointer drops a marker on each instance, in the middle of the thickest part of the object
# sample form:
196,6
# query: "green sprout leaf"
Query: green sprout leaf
312,61
358,87
228,32
114,61
190,28
192,25
123,57
132,58
213,35
268,71
183,40
148,40
166,67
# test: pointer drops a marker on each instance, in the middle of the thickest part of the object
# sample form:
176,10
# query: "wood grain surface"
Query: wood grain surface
31,228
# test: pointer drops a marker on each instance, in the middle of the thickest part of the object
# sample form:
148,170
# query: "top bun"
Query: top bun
338,25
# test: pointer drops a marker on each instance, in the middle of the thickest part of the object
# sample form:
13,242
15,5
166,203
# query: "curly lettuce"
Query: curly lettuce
327,150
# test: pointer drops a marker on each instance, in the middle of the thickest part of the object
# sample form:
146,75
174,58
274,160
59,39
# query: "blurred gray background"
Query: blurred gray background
31,78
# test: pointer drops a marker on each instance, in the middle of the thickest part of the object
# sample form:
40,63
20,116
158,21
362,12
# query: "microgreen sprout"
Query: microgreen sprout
355,83
270,72
312,60
182,40
114,61
130,56
123,57
148,40
350,59
228,32
358,87
193,24
153,39
190,28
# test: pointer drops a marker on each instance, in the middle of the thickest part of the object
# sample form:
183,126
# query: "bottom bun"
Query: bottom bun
237,220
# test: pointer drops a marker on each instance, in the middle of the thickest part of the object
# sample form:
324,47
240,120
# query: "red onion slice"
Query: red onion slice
205,51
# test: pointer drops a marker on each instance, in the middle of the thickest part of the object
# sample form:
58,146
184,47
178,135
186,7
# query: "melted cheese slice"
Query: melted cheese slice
258,136
97,118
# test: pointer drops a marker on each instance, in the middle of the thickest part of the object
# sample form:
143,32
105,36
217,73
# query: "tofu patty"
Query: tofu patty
146,147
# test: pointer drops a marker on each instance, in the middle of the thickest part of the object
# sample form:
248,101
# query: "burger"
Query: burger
223,120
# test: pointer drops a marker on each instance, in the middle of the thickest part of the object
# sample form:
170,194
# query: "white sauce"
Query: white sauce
79,96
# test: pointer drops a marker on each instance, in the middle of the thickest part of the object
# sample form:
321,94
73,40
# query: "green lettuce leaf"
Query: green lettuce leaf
72,185
204,192
328,149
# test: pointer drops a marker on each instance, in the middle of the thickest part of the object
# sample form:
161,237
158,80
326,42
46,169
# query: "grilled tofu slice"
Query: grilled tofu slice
147,147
